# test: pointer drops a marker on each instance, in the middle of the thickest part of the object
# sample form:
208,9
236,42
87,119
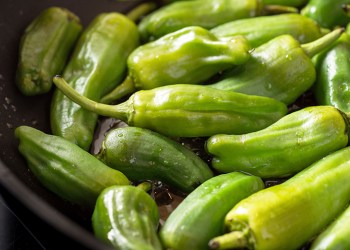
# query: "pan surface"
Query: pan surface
15,110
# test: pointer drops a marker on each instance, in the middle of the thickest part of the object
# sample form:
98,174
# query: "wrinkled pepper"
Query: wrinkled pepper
64,168
280,69
187,56
287,215
44,49
200,216
328,13
336,235
127,218
186,110
97,65
254,29
156,158
204,13
332,86
284,148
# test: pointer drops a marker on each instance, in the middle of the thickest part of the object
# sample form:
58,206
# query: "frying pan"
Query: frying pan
61,218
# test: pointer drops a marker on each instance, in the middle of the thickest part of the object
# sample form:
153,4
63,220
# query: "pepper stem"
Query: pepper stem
141,10
119,111
278,9
322,43
145,186
123,89
232,240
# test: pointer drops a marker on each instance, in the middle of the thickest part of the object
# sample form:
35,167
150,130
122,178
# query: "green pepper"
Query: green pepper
254,29
294,3
44,49
328,13
127,218
187,56
336,235
284,148
281,68
156,158
64,168
97,65
204,13
333,74
287,215
200,216
186,110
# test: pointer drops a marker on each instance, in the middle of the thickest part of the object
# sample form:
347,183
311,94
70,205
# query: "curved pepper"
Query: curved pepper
127,218
187,110
280,69
287,215
64,168
200,216
254,29
204,13
336,235
328,13
284,148
97,65
187,56
156,158
44,49
333,74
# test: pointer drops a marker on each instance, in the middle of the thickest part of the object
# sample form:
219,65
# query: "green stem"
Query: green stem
278,9
125,88
232,240
145,186
119,111
141,10
322,43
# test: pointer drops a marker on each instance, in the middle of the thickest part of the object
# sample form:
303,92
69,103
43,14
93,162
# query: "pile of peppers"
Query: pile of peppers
239,107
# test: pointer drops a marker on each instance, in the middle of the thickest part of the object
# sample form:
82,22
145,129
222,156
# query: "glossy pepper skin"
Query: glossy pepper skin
204,13
333,75
44,49
280,69
64,168
185,110
328,13
97,65
302,28
284,148
145,155
200,216
287,215
336,235
127,218
188,56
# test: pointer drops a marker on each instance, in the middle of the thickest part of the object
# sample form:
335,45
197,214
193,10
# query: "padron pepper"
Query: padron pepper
336,235
294,3
284,148
254,29
280,69
287,215
200,216
145,155
187,56
64,168
127,218
328,13
204,13
186,110
97,65
44,49
332,86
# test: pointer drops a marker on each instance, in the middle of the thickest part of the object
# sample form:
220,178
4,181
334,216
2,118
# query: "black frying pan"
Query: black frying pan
70,223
